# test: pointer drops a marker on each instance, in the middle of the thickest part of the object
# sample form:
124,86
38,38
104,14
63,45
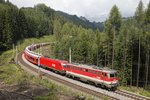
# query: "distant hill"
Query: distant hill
49,12
81,21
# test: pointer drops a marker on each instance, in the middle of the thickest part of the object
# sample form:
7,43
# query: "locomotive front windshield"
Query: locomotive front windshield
112,75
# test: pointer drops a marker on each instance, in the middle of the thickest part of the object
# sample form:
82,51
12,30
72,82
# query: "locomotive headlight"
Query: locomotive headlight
115,82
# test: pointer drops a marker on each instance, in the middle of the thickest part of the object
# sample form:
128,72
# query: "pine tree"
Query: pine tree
139,16
22,25
115,18
57,29
66,29
148,14
112,28
147,47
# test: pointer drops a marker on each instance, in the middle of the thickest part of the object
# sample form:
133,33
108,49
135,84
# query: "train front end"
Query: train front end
113,80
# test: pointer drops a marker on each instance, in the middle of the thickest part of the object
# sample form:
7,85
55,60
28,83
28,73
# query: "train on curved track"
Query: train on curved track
103,77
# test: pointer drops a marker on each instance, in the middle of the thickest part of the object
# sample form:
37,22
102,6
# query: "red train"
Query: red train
103,77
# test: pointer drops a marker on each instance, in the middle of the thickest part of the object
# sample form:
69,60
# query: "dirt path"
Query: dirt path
22,92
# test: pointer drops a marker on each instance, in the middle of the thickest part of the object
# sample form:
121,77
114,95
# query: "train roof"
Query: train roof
94,67
108,70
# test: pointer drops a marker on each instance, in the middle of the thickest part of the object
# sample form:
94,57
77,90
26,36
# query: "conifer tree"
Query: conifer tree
112,28
139,15
147,47
148,14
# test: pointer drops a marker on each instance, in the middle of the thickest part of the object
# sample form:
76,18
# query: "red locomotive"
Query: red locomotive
103,77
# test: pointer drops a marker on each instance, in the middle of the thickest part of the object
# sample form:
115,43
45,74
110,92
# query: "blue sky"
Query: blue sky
94,10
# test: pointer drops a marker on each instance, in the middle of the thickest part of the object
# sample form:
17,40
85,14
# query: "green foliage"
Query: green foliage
148,14
140,14
22,23
17,24
12,25
79,39
39,20
112,29
115,18
57,29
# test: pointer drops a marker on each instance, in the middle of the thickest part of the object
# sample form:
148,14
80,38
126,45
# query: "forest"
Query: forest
123,44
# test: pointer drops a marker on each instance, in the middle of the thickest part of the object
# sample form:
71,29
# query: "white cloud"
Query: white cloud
95,10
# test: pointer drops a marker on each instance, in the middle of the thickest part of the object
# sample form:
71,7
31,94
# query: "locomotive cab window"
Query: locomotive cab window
111,75
104,74
86,70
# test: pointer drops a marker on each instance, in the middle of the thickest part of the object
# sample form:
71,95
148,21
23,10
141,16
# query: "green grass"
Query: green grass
11,74
6,57
136,90
51,96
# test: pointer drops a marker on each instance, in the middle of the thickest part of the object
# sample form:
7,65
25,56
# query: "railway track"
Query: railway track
98,92
131,95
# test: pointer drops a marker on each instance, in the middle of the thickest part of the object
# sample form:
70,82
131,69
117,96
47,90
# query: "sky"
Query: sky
93,10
